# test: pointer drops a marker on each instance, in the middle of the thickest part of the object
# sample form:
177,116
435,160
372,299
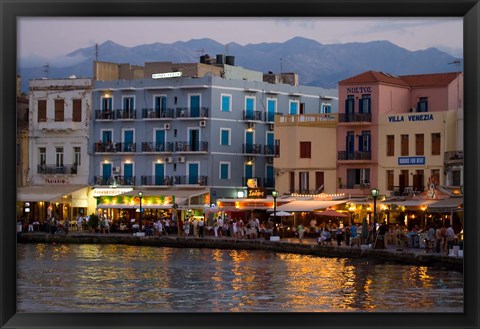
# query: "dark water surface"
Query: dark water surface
119,278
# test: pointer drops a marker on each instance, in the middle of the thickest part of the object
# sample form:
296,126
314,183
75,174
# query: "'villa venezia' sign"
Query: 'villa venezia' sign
410,118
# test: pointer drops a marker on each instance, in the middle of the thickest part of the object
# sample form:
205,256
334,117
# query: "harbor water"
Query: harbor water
121,278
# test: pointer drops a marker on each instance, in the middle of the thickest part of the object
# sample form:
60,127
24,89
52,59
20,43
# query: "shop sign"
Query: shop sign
110,191
356,90
166,75
405,161
410,118
56,181
256,193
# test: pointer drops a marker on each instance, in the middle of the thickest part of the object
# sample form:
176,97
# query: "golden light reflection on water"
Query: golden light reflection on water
133,278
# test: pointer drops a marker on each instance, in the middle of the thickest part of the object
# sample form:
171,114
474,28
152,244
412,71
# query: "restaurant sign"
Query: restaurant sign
110,191
256,193
402,161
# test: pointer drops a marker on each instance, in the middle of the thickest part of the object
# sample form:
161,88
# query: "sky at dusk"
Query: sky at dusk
49,38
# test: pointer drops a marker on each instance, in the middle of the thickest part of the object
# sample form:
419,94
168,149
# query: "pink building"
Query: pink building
395,133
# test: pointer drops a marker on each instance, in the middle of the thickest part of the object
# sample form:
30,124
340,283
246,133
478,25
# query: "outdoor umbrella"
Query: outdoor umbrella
281,213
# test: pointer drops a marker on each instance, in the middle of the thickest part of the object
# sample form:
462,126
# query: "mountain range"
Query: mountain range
316,64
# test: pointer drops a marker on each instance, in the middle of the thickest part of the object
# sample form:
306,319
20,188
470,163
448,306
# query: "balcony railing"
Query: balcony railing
453,156
167,113
157,147
269,150
104,115
354,117
191,147
191,112
252,148
252,115
110,180
157,180
344,155
51,169
115,147
190,180
126,114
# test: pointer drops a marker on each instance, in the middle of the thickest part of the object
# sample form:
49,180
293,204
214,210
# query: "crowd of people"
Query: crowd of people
437,237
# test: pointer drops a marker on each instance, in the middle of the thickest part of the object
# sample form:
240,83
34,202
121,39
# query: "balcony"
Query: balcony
51,169
453,157
190,180
191,112
157,180
160,114
355,117
118,180
252,148
269,150
157,147
252,115
115,147
357,155
187,147
104,115
126,114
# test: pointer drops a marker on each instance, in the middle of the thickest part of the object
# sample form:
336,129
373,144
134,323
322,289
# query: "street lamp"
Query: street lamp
140,195
375,192
274,195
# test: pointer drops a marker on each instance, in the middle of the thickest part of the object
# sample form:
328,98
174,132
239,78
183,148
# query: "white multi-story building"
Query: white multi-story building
59,117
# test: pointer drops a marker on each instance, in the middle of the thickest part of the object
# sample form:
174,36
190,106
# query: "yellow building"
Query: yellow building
306,162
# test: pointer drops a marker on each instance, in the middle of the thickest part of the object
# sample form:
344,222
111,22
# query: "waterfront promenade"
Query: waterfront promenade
416,256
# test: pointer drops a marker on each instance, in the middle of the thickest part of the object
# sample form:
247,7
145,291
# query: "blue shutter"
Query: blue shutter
192,173
225,103
106,171
225,135
248,171
195,106
224,171
271,110
159,174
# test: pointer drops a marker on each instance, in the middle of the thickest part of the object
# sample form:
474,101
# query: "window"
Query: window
350,104
224,170
390,186
292,182
225,137
436,144
42,155
364,104
77,110
418,180
364,141
226,103
271,109
419,144
456,178
404,139
390,145
77,156
319,181
358,177
304,182
293,107
59,110
42,111
59,157
436,176
422,105
305,149
160,103
128,103
107,103
326,108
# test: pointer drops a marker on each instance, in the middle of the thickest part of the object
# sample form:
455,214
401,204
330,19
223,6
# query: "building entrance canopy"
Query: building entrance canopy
46,193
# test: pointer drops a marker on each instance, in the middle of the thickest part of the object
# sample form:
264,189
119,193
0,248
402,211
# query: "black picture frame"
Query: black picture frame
11,10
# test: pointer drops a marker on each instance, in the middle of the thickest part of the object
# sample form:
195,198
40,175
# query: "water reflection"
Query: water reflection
117,278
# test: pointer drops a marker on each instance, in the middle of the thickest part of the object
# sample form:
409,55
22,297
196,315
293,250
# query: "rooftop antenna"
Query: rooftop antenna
457,63
226,49
201,50
46,69
96,52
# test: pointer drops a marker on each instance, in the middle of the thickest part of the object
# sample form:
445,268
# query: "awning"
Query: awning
136,206
309,205
411,203
46,193
447,205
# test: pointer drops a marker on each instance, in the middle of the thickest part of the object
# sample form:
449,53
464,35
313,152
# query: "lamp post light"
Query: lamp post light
274,195
140,196
375,192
